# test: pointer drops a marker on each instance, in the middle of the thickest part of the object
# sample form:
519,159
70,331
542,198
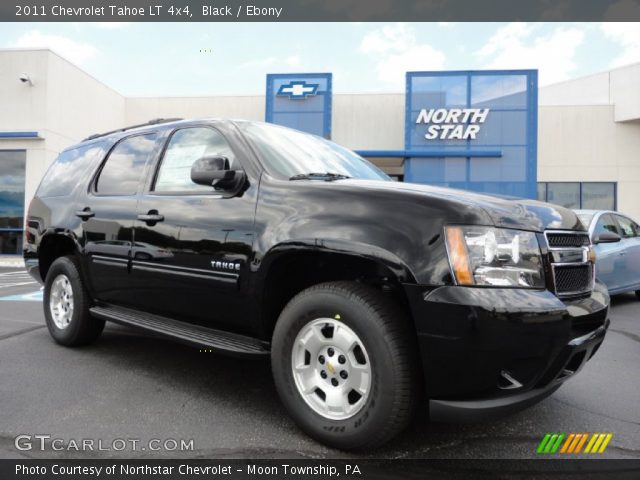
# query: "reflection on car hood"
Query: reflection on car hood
504,212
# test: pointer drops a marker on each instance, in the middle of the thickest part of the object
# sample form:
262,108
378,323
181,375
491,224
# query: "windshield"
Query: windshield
585,218
288,153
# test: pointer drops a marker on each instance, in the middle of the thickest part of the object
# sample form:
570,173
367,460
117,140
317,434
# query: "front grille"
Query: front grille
573,279
569,258
568,240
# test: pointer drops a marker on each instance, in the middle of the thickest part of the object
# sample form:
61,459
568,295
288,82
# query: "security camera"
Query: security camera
24,78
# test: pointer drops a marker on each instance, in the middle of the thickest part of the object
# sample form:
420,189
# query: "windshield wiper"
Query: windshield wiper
327,176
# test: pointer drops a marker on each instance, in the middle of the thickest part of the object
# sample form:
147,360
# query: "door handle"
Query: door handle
85,214
151,218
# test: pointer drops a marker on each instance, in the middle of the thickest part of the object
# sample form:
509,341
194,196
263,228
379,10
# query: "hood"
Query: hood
504,212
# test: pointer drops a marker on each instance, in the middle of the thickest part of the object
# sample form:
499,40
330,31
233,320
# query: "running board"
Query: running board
195,335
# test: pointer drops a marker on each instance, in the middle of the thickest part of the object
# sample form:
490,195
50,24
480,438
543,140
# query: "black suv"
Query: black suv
372,297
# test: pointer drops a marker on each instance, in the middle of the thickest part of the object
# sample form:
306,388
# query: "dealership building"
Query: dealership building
575,143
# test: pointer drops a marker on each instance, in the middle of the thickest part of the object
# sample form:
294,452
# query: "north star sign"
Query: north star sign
452,123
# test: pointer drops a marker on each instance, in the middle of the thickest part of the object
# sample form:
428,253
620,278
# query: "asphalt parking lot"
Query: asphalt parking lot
132,385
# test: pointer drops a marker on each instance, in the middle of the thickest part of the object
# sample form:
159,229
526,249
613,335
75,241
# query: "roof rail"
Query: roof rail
155,121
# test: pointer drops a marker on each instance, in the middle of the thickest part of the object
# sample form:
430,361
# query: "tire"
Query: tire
383,335
638,294
66,305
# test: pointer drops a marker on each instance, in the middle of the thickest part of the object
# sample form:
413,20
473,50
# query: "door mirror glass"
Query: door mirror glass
214,172
606,237
206,170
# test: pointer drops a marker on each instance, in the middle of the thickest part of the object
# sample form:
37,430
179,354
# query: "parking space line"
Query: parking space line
24,297
8,285
20,332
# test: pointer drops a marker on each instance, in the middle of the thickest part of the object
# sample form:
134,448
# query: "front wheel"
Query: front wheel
344,365
66,305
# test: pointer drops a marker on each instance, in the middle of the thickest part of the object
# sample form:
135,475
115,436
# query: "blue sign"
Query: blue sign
298,90
475,130
301,101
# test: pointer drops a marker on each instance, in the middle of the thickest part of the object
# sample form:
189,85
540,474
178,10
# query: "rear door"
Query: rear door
610,265
630,251
108,212
192,244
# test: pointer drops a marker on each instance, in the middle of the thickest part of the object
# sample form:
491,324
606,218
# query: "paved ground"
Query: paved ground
130,385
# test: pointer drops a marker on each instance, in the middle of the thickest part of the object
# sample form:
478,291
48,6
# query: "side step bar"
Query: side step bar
190,334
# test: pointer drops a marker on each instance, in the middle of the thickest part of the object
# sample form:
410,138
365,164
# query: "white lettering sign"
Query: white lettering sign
452,123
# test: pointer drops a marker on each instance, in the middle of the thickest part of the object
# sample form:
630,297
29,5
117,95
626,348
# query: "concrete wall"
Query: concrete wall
361,121
619,87
584,143
140,110
591,90
64,105
369,121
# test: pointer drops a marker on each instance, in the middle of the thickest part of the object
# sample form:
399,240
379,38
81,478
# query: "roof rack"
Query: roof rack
155,121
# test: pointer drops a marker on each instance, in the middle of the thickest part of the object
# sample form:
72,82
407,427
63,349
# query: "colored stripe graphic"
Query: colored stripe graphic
568,442
582,442
606,441
573,443
543,443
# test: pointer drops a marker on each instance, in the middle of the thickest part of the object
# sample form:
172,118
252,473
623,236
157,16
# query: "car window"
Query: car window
287,152
628,227
68,170
606,223
124,167
185,147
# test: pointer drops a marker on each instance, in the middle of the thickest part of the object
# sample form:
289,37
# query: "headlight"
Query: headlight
497,257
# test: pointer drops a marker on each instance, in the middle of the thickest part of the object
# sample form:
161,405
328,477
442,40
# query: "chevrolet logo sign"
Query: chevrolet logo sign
298,90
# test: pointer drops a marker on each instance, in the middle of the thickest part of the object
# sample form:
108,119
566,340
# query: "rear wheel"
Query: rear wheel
344,365
66,305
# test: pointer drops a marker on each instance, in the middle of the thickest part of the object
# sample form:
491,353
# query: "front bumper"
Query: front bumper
487,352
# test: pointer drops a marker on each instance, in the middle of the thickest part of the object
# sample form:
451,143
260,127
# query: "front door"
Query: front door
610,265
630,251
192,244
108,212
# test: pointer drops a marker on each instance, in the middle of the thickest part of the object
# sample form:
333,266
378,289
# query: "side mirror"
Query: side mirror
606,237
214,172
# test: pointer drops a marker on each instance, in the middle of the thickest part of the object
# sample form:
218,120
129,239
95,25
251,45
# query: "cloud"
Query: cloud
396,50
75,51
110,25
289,62
627,35
522,45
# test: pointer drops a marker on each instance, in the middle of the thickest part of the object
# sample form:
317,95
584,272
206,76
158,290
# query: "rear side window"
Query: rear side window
124,167
606,223
69,169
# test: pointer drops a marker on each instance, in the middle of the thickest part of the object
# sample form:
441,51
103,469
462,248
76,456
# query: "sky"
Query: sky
188,59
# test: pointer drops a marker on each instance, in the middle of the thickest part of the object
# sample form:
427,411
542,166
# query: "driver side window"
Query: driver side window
185,147
628,227
606,223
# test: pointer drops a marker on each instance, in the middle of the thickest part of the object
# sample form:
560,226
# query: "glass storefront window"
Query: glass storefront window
12,170
542,191
598,196
565,194
579,195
